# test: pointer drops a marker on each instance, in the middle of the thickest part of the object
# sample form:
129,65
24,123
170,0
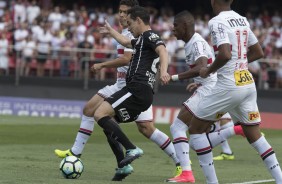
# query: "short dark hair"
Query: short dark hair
226,1
129,3
141,12
186,16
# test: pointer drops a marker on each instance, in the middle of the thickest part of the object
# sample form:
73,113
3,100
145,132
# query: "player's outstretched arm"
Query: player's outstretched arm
116,35
254,53
223,56
163,54
195,71
118,62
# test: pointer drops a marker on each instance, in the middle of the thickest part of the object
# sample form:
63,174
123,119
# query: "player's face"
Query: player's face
178,30
123,14
133,27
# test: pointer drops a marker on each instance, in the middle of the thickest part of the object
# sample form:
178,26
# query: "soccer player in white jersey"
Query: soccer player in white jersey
235,92
143,122
198,54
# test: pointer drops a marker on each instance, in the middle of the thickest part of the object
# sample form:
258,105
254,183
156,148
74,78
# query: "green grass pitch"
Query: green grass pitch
27,155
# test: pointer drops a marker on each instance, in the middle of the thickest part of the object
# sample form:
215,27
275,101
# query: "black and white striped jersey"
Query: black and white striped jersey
144,61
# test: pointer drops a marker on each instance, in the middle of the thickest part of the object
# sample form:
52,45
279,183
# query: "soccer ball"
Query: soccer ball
71,167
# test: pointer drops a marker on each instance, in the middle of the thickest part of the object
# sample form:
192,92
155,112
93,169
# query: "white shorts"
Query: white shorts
241,105
192,103
111,89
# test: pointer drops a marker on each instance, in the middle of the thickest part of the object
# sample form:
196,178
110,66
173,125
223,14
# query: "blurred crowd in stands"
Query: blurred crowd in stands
41,39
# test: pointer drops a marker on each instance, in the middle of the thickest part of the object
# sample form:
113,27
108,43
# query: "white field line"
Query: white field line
258,181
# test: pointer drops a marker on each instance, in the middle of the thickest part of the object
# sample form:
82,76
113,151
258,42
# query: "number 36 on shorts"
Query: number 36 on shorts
243,77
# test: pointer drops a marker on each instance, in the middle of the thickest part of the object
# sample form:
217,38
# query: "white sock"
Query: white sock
220,136
224,145
163,141
201,145
226,125
269,158
226,148
83,134
178,131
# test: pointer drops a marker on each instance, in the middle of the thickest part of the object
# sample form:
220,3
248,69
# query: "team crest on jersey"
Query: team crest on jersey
124,114
219,115
154,37
253,116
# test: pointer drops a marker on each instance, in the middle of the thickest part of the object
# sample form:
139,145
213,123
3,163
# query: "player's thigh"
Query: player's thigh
213,106
105,109
91,106
216,104
247,112
185,115
199,126
145,123
146,116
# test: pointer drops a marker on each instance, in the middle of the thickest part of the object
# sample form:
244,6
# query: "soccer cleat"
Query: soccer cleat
121,173
184,177
65,153
238,130
131,155
224,156
178,171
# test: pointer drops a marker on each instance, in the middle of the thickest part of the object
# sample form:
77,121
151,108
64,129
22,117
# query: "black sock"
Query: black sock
116,147
109,125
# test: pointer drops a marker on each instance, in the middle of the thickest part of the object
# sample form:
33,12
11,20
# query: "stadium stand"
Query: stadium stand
66,37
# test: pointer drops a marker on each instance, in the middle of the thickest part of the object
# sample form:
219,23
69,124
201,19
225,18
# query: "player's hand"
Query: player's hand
192,86
106,28
96,67
165,78
204,72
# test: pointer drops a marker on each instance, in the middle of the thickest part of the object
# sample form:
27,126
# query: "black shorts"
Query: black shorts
130,101
42,57
28,59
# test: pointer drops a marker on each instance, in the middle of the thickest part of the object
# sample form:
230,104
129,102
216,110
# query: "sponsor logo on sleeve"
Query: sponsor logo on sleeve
154,37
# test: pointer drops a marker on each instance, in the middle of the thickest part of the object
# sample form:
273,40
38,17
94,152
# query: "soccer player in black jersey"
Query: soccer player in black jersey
137,96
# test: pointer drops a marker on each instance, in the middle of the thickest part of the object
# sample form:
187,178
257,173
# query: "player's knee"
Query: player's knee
87,111
178,129
174,128
146,129
193,140
98,114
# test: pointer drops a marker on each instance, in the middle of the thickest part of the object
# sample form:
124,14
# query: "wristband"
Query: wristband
174,78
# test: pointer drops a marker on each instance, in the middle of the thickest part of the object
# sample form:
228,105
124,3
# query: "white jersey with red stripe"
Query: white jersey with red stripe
195,48
231,28
121,71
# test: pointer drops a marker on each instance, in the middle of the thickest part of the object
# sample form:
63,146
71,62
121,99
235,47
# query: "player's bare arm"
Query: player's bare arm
195,71
255,52
126,42
163,54
223,56
192,86
118,62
